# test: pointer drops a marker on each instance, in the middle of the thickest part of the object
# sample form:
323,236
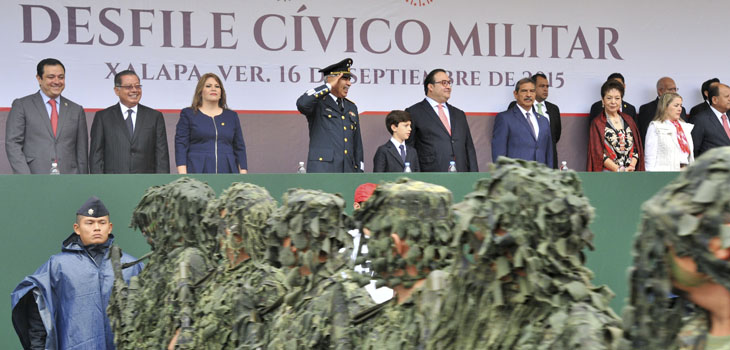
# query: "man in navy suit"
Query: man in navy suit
712,128
520,132
335,145
392,156
705,104
440,132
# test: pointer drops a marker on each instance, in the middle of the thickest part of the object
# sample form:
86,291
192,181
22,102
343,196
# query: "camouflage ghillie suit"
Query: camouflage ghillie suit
160,300
684,216
317,310
527,287
419,213
239,299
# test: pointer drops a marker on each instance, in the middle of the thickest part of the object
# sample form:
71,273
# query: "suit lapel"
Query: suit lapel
523,120
434,116
395,153
332,104
42,112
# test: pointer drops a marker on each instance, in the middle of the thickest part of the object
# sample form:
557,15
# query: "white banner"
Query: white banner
268,51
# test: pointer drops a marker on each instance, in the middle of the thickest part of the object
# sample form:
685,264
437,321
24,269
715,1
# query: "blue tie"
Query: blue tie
130,126
402,153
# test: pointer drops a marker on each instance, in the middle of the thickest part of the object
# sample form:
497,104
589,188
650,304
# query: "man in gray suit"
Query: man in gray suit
46,128
128,137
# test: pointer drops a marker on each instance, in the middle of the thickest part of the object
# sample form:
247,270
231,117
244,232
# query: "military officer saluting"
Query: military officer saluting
335,145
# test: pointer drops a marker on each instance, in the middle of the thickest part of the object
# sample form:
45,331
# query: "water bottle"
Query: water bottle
564,166
407,169
301,169
452,166
54,168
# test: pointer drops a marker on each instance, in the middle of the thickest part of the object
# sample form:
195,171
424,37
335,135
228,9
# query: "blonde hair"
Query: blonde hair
198,96
664,102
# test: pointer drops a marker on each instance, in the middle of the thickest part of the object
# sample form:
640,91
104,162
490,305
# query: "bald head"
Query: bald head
664,85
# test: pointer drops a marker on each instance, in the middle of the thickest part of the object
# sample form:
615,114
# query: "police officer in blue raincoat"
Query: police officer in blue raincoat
63,304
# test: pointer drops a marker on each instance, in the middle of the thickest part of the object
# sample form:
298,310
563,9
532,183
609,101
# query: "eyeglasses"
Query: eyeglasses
130,87
445,83
673,89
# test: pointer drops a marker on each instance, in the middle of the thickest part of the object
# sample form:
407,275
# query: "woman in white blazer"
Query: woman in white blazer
668,145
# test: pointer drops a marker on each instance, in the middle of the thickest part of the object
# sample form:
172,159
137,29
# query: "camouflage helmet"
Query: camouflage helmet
683,216
170,215
419,213
527,218
243,210
315,222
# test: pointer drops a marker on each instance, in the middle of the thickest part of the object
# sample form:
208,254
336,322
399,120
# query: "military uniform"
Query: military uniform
335,145
160,300
521,284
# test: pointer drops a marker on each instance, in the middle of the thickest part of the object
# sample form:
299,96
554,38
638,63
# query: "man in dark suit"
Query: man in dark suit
128,138
520,132
46,131
393,155
647,111
335,145
703,106
712,128
626,107
547,109
440,132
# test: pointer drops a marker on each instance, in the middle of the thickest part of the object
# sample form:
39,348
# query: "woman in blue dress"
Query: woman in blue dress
208,137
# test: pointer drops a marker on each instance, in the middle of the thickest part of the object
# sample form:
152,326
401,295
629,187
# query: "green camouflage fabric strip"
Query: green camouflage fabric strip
520,282
161,298
684,215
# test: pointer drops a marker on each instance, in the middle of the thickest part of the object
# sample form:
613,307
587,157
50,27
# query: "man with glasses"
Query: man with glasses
439,131
648,110
335,145
128,137
46,132
521,132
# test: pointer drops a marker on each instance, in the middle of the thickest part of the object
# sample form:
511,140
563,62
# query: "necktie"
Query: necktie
341,104
442,116
725,125
532,127
54,116
539,109
402,153
130,126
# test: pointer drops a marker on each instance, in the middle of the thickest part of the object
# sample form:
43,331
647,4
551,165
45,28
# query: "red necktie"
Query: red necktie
54,116
725,125
442,116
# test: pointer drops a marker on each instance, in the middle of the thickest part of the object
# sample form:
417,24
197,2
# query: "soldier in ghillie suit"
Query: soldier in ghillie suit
526,287
680,279
410,228
306,233
160,300
240,297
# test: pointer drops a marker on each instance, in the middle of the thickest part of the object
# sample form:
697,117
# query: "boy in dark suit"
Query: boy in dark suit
392,156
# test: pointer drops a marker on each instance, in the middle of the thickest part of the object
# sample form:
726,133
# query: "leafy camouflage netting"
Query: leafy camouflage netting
243,209
316,311
315,222
241,297
420,214
160,299
520,282
167,214
684,215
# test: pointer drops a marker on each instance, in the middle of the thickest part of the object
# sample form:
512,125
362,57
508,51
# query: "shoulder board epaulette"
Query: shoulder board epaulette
351,101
